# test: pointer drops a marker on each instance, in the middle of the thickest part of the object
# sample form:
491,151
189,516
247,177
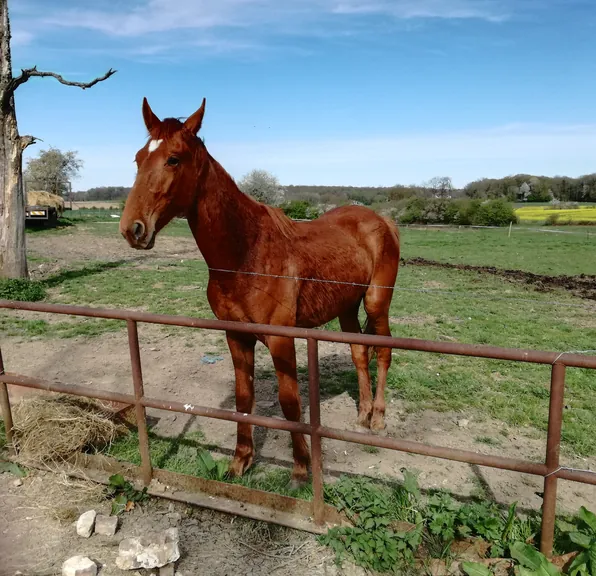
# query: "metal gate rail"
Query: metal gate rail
551,469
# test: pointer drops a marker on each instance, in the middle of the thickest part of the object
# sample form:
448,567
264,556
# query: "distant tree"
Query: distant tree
524,192
441,186
263,186
52,171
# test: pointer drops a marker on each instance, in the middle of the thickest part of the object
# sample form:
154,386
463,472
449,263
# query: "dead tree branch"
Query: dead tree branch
26,141
27,73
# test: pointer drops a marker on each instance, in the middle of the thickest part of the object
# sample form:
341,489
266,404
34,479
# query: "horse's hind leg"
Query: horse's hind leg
349,323
376,303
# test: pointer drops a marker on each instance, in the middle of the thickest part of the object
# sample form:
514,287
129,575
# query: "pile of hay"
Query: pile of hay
43,198
52,428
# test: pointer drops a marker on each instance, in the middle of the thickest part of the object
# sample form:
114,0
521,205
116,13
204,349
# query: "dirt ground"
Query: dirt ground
37,534
82,245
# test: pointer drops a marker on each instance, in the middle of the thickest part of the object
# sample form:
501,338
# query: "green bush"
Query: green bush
21,289
414,212
495,213
459,212
300,210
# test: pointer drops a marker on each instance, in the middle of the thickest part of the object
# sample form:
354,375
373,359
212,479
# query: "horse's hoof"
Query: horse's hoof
362,429
238,467
377,424
299,478
297,483
363,421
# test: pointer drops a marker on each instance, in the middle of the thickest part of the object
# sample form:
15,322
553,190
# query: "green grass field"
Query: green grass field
430,303
527,249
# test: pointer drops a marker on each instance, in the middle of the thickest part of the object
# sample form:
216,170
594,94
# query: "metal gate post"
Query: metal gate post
553,447
137,379
315,438
6,411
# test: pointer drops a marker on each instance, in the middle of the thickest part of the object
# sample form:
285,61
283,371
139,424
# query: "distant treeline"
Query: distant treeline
367,195
518,188
524,187
102,194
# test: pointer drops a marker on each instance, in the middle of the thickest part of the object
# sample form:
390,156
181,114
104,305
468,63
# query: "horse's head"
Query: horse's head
167,170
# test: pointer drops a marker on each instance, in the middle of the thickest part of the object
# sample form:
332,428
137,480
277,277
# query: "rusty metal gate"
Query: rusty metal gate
323,514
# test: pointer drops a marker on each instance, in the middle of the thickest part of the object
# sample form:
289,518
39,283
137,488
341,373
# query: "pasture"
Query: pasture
482,405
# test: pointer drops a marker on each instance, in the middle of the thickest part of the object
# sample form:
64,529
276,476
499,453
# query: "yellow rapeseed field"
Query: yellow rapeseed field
541,213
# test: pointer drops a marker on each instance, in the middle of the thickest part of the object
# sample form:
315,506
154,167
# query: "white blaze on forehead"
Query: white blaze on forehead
154,145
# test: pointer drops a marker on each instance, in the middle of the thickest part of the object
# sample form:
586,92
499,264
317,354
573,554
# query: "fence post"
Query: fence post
137,379
315,439
6,411
553,447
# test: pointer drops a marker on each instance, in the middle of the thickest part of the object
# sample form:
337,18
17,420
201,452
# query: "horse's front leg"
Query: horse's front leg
242,348
283,353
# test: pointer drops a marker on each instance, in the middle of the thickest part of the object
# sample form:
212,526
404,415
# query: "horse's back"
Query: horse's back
357,226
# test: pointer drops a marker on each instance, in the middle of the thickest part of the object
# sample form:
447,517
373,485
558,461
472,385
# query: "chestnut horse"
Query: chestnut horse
353,249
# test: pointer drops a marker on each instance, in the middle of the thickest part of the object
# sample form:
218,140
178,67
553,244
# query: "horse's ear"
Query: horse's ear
151,120
193,123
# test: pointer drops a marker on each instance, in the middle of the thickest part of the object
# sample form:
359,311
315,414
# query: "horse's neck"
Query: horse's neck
225,222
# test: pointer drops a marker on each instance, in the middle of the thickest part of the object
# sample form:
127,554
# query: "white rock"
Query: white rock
18,482
150,551
85,523
463,423
106,525
79,566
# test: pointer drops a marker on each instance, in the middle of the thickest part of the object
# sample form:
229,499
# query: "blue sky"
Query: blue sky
351,92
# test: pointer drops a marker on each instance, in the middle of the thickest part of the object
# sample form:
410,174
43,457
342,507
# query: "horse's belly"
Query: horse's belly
320,304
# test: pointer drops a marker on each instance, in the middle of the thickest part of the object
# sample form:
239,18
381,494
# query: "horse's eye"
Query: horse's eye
173,161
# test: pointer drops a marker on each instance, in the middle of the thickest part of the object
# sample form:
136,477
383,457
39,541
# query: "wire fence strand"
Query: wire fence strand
403,289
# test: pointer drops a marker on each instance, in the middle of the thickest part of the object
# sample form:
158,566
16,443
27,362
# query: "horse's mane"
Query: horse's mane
167,128
284,224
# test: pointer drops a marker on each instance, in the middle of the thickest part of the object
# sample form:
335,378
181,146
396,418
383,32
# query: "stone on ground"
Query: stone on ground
106,525
79,566
85,523
149,551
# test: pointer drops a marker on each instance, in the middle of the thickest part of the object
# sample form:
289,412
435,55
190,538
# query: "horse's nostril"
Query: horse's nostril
138,230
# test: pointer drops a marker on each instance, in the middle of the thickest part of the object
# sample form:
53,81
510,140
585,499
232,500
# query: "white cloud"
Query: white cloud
155,16
464,155
491,10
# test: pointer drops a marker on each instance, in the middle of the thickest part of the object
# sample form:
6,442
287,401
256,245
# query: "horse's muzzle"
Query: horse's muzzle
138,236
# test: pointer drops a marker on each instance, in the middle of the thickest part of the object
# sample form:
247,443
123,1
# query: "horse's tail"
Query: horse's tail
372,350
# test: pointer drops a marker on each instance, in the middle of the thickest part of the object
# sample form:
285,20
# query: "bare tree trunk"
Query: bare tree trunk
13,255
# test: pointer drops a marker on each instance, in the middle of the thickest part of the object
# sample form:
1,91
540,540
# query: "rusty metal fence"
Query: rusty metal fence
551,469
